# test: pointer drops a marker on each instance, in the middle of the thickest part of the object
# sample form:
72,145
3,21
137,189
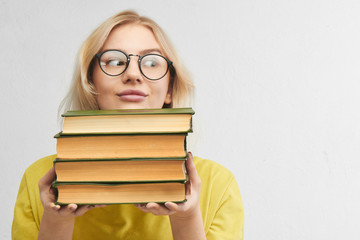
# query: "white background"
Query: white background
277,99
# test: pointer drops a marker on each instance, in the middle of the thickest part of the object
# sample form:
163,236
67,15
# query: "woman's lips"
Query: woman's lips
132,95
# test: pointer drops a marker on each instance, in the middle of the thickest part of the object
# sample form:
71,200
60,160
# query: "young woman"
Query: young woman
113,73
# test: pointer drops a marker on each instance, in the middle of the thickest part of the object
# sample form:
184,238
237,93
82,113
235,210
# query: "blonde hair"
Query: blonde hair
82,93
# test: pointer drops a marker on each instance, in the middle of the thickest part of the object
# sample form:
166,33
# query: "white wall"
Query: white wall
277,99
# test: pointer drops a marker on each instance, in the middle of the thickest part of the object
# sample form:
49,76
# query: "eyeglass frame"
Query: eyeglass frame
169,63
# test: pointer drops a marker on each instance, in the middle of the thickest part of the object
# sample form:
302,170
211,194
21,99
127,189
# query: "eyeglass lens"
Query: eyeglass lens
152,66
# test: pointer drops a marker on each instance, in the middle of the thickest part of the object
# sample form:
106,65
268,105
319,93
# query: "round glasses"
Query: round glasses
115,62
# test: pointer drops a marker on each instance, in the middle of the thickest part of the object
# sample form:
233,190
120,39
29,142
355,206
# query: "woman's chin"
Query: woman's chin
130,105
126,106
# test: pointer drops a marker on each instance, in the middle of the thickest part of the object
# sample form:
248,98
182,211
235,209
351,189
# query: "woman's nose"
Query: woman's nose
133,73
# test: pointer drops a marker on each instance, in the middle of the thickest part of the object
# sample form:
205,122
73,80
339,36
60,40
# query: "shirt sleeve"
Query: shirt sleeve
24,225
228,222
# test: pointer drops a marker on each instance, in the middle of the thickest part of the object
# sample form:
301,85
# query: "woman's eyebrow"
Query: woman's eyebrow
141,52
150,50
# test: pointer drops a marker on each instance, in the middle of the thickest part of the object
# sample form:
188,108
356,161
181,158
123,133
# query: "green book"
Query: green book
164,120
119,193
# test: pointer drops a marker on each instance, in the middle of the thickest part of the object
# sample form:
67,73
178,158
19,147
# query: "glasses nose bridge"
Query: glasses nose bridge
134,55
138,62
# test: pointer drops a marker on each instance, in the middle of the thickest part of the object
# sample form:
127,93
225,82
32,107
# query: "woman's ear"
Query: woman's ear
168,98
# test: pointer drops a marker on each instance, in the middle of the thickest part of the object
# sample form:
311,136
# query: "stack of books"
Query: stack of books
122,156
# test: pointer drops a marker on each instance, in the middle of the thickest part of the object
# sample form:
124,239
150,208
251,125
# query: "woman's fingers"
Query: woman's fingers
172,206
48,178
192,192
48,196
47,193
67,210
81,210
75,210
158,209
154,208
194,178
100,206
54,207
142,207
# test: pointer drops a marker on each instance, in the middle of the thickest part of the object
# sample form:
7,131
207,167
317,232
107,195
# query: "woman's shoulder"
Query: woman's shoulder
208,169
219,195
38,169
44,162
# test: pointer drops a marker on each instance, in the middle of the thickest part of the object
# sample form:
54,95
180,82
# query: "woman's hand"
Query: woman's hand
57,221
180,210
48,197
185,218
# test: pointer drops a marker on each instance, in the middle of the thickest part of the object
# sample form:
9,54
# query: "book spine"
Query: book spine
129,112
119,159
117,203
56,183
65,135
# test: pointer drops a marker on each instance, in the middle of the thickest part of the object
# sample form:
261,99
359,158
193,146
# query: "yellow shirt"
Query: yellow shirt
220,204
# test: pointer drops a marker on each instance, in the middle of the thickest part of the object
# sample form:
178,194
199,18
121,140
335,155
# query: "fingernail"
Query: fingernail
56,206
150,205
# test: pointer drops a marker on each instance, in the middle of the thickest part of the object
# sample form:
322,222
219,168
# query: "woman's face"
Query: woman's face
131,90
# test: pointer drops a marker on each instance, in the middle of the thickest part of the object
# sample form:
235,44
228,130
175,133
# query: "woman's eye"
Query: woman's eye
113,62
150,63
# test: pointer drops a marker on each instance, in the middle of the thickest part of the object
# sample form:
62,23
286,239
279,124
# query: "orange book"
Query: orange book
110,170
96,193
121,146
